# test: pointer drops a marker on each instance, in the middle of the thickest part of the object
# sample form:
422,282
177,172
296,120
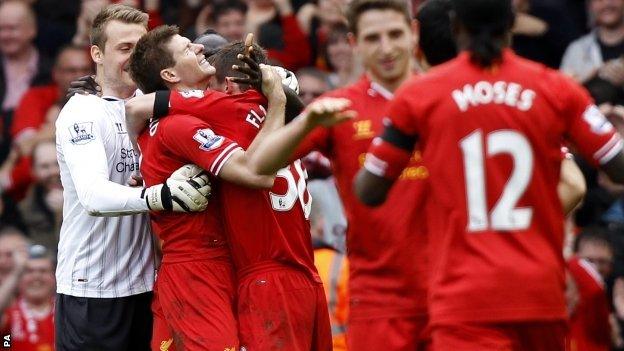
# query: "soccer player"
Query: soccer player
490,126
106,264
385,246
271,250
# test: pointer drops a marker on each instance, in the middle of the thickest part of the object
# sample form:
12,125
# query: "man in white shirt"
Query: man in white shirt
106,261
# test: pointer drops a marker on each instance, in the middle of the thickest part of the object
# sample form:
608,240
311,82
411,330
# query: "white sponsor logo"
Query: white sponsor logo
81,133
207,139
597,121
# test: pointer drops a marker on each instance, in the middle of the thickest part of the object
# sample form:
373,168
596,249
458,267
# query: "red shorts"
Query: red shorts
396,334
280,308
193,307
527,336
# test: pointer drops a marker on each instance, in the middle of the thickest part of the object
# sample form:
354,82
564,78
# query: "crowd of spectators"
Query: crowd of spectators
44,46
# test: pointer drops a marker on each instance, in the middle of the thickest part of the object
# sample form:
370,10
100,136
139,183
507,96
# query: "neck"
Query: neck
203,85
390,85
22,55
611,36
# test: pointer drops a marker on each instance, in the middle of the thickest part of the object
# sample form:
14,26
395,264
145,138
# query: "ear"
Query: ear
169,75
230,87
96,54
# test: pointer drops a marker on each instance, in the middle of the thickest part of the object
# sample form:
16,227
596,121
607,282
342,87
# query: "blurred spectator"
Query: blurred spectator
599,53
277,30
229,19
340,58
590,328
542,30
88,10
317,20
333,269
29,319
56,23
22,64
35,115
11,240
44,203
312,84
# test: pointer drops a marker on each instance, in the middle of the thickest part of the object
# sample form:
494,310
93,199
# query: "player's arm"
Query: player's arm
592,133
277,148
81,141
572,186
139,110
194,141
390,153
387,156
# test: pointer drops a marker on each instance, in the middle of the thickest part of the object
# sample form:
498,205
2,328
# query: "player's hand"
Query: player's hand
250,66
135,180
272,84
85,85
186,190
289,79
328,112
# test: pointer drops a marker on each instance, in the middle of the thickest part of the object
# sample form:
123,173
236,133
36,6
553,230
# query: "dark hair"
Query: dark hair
337,32
487,23
226,57
593,234
357,7
212,41
436,37
224,7
150,56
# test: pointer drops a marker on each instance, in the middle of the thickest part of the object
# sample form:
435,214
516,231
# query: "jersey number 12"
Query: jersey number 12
504,216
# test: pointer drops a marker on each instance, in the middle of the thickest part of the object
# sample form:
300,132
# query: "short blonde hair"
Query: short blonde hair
122,13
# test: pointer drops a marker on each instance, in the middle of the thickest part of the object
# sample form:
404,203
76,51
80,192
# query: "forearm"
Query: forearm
8,289
572,187
275,150
139,110
104,198
615,168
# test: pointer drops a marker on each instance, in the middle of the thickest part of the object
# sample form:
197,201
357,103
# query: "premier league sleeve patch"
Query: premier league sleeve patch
207,139
81,133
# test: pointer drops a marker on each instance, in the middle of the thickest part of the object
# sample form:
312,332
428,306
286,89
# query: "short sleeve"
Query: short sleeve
193,140
588,129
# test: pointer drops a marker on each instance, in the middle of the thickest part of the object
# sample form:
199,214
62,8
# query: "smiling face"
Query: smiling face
191,69
38,283
113,60
607,13
385,41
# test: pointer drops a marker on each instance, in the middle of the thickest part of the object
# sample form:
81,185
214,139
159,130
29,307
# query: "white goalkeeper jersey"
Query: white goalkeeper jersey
106,249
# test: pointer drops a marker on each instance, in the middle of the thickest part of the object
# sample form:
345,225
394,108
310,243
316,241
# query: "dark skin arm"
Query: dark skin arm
615,168
294,105
372,190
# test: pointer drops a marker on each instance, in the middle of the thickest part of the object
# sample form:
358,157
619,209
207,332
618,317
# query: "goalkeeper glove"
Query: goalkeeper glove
186,190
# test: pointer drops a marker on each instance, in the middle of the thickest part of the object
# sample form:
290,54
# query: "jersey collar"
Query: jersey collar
374,89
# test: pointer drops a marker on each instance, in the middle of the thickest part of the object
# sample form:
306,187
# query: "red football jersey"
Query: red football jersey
589,323
168,144
386,245
262,224
491,140
29,331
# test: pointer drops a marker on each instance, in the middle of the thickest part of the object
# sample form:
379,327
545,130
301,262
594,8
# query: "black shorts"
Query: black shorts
96,324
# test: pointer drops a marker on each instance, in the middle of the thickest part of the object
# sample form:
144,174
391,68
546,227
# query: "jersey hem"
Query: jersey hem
71,290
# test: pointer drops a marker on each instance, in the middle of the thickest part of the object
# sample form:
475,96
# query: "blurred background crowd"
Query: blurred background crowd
44,46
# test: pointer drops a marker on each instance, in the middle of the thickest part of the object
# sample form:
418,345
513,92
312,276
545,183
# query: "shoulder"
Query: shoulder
81,108
583,42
